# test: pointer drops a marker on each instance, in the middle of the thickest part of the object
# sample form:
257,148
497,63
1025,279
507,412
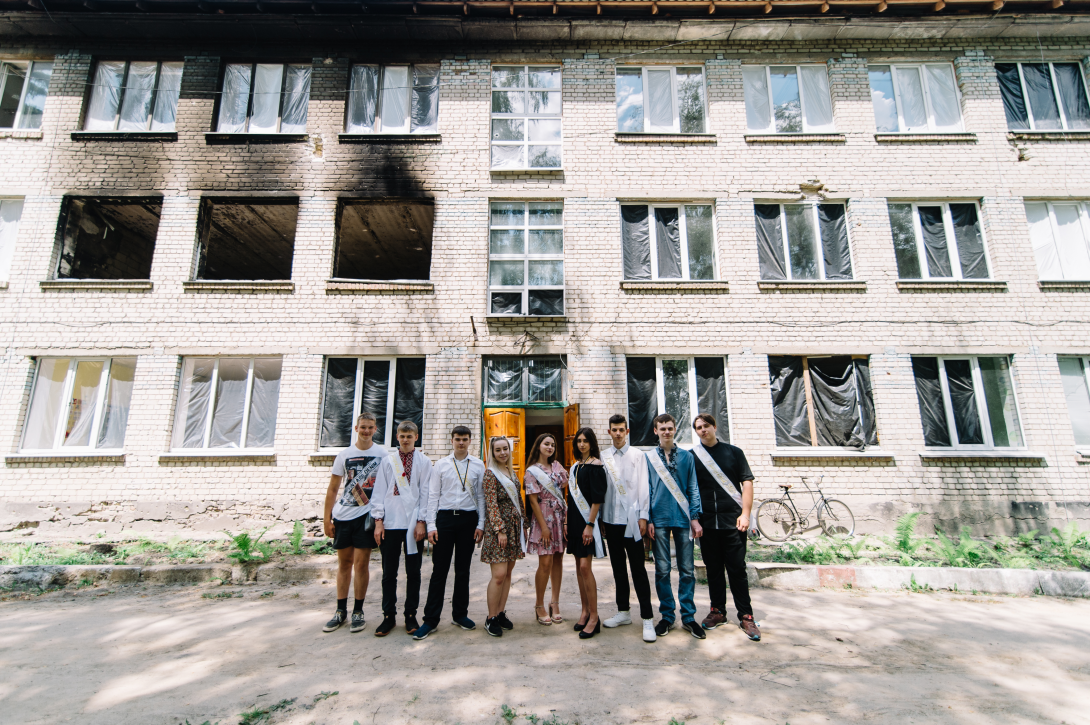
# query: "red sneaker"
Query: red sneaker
748,626
714,619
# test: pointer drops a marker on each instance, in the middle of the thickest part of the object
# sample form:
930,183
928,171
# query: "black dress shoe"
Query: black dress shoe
585,634
579,627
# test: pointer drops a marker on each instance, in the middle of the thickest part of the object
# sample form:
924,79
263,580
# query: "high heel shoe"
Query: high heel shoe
556,617
584,634
542,620
579,626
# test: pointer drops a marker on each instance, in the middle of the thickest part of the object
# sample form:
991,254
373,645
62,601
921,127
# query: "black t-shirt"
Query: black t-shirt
719,509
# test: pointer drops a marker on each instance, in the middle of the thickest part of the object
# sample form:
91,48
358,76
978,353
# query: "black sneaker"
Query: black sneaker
411,625
423,631
663,628
466,623
339,618
504,621
694,629
387,626
493,627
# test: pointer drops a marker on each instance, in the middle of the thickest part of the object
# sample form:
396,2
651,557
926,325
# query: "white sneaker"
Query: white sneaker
617,620
649,630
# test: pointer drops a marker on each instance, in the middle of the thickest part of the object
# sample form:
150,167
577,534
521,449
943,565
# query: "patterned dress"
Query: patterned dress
553,510
500,514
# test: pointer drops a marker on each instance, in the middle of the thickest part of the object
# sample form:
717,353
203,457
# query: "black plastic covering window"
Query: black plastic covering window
1014,105
507,303
929,394
840,387
642,400
959,378
409,394
935,244
1072,95
668,242
789,409
770,241
376,393
340,394
970,241
834,241
425,97
635,242
546,302
711,393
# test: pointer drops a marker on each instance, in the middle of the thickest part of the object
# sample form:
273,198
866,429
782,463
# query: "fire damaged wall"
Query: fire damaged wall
108,238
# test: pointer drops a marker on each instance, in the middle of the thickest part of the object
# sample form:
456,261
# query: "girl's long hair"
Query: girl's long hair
591,439
491,459
535,453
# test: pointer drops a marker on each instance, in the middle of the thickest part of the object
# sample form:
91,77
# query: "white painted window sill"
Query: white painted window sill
821,452
95,285
221,456
663,137
951,285
375,286
239,286
812,285
775,138
1063,285
955,454
47,457
926,137
675,285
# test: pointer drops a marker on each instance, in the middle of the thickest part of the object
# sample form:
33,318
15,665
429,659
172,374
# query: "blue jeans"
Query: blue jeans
686,577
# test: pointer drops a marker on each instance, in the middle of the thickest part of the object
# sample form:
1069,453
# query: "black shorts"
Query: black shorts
351,534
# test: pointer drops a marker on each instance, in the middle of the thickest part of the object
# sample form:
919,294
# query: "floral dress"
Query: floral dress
553,510
500,514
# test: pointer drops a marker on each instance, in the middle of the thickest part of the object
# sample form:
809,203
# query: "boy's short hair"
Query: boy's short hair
407,426
618,419
461,430
364,415
664,418
708,419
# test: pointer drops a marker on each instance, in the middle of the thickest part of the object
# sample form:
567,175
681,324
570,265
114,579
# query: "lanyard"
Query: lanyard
461,478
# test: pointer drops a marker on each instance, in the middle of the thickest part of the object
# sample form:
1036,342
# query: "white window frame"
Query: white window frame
22,94
951,239
124,86
66,406
981,406
683,232
660,392
525,257
526,117
931,127
1085,448
389,435
210,410
820,247
675,114
524,377
1055,94
1084,222
771,128
378,130
250,96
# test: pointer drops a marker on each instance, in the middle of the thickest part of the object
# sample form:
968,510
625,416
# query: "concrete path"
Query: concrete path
167,655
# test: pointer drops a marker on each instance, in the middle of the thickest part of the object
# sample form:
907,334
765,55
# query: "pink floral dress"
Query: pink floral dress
553,510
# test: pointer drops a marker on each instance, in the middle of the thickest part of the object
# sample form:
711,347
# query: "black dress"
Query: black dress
591,480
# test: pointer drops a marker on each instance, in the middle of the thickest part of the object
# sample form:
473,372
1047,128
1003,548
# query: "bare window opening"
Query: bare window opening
384,240
108,238
251,239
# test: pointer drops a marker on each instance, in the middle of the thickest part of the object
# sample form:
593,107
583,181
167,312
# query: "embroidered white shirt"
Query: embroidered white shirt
395,511
633,468
445,490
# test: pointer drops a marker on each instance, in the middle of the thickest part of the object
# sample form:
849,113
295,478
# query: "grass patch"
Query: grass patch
221,595
262,715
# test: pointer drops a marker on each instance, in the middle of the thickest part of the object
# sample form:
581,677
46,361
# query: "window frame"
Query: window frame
525,258
524,397
683,232
121,97
675,111
250,98
1084,223
951,240
1083,449
409,89
925,83
17,120
690,379
209,414
771,128
58,446
389,434
1055,94
812,414
527,117
819,251
981,406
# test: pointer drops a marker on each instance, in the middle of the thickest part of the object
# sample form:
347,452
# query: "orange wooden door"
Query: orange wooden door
571,427
511,424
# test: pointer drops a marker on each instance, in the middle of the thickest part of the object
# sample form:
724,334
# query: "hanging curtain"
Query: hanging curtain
409,393
833,223
769,241
425,103
789,409
230,404
193,403
642,400
635,242
115,418
970,241
261,424
668,242
816,100
340,396
296,99
755,89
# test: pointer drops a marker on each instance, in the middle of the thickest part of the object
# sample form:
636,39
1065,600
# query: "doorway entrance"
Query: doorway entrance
522,425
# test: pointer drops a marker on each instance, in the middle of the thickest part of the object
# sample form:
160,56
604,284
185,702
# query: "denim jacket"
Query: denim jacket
665,511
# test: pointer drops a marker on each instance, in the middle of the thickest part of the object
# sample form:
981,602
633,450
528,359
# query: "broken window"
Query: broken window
914,98
79,404
1043,96
967,402
822,401
668,242
1060,233
787,99
392,389
526,123
524,379
264,98
247,239
1075,372
10,212
682,387
23,88
227,403
108,238
134,96
673,102
526,258
788,238
934,240
384,240
393,99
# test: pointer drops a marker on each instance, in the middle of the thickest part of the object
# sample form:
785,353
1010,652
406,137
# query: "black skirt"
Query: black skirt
591,480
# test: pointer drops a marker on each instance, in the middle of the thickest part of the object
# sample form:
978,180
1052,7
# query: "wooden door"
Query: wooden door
510,423
571,427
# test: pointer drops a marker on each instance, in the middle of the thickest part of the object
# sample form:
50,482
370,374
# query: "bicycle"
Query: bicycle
778,519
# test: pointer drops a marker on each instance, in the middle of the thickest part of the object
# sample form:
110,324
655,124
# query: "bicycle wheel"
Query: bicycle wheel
775,520
836,518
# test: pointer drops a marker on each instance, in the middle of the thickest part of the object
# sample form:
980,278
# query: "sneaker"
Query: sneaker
617,620
714,619
504,622
423,631
466,623
339,618
411,625
387,626
748,626
663,628
649,634
357,622
694,629
493,627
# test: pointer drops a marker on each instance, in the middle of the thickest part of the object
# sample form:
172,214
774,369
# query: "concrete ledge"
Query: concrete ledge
794,286
253,138
46,459
28,134
925,137
1048,135
95,285
525,318
830,455
951,285
321,459
660,138
124,135
201,458
1054,285
234,286
992,457
52,577
777,138
669,286
370,286
389,138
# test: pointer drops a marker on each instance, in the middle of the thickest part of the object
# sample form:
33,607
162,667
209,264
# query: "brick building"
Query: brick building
859,235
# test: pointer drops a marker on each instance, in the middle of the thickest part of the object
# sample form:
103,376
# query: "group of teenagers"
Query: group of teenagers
610,499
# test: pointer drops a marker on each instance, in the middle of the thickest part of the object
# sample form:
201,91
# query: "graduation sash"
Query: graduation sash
512,493
632,524
721,478
584,510
670,483
547,482
404,485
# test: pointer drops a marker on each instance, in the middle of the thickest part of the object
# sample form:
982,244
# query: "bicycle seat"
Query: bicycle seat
786,486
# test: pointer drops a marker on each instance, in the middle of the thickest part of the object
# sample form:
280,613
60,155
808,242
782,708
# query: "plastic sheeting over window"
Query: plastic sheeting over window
790,412
425,101
683,238
668,243
227,403
105,96
929,395
296,99
409,394
1056,95
376,393
264,98
675,393
524,379
11,211
1073,372
755,89
949,236
1072,95
975,394
264,397
115,417
832,221
970,241
843,404
1060,244
355,385
770,241
711,393
635,242
362,99
337,405
1010,87
642,400
788,236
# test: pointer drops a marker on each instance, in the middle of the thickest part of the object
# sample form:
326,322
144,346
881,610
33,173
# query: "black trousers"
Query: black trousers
620,549
393,542
455,529
724,550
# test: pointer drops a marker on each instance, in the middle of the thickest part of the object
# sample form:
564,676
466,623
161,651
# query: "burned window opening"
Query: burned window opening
251,239
108,238
384,239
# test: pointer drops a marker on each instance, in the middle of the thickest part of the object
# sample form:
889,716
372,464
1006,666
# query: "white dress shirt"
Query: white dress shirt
632,465
445,490
400,511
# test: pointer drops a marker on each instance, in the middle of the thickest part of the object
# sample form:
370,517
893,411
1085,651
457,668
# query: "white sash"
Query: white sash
670,483
584,510
404,485
512,493
547,482
632,524
721,478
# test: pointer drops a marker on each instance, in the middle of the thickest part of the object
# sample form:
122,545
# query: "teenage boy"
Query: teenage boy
726,495
455,518
675,511
347,518
398,507
624,523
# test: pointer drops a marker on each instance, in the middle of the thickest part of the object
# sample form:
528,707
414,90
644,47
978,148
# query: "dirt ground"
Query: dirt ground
171,655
